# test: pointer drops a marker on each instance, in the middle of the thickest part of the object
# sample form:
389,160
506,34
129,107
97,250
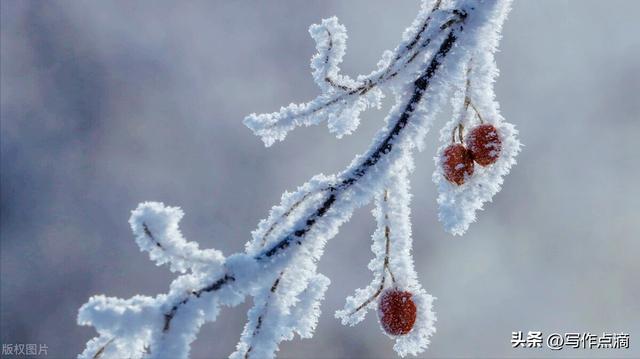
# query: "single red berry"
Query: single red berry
397,311
484,144
457,163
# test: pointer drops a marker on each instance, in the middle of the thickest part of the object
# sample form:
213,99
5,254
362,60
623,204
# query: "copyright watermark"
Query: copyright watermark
569,340
24,349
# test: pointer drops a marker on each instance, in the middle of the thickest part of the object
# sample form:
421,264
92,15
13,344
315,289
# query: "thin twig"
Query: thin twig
286,214
375,154
100,351
385,265
476,110
153,239
328,79
388,74
260,319
467,96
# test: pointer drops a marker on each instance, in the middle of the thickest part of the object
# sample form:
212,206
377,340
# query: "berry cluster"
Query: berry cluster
482,145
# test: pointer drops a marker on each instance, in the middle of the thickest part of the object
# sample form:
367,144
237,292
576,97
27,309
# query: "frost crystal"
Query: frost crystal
447,52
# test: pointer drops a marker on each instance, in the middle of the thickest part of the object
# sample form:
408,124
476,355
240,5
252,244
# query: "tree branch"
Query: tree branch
297,236
275,268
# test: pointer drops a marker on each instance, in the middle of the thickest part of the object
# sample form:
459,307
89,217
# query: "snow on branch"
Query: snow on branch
156,229
392,266
448,49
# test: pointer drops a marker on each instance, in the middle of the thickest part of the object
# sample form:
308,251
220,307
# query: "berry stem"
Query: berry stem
387,232
459,128
467,97
476,110
385,266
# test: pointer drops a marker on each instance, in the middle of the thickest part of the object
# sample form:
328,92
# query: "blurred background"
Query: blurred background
107,104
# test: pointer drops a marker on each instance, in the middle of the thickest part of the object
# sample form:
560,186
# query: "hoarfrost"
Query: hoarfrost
448,48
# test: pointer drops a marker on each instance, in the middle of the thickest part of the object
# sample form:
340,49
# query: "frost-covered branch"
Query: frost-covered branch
343,99
448,47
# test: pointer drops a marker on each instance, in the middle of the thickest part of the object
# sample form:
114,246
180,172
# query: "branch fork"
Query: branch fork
278,267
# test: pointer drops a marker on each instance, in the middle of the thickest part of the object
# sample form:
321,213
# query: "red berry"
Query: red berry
397,311
484,144
457,163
